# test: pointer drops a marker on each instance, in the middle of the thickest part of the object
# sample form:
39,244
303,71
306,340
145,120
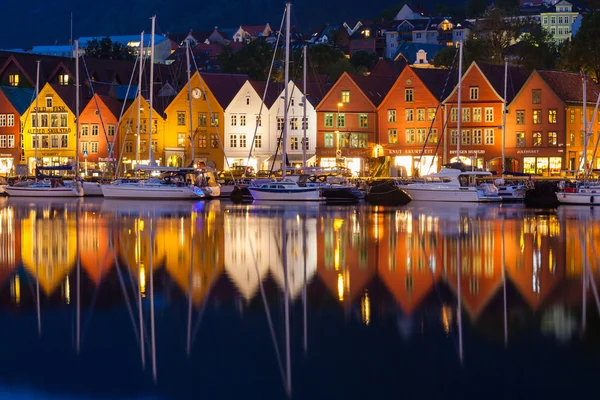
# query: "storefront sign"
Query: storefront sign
43,131
5,155
52,109
49,154
394,152
467,152
536,151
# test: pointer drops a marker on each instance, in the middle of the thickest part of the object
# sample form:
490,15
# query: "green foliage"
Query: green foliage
253,59
535,49
364,59
582,52
106,48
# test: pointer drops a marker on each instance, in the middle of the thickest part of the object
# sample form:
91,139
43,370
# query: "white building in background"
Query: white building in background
559,19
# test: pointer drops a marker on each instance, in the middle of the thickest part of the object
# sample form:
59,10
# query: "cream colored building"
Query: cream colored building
559,19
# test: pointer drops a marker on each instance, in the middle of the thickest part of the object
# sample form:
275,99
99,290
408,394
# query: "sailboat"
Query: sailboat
453,182
584,193
48,185
287,189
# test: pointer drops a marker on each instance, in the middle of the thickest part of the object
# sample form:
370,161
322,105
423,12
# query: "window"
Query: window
181,140
292,102
35,141
232,140
409,115
128,146
571,138
581,138
11,141
537,116
85,147
474,93
489,114
110,130
410,136
453,137
247,101
294,143
391,115
560,20
420,114
466,114
431,114
328,120
214,141
48,102
536,96
85,129
53,120
552,139
545,20
328,140
304,123
63,79
392,136
202,119
433,136
476,114
258,141
202,141
233,120
489,136
537,139
477,136
34,120
520,139
279,124
243,120
94,129
13,80
294,123
552,116
553,20
341,120
2,141
64,120
305,142
180,118
64,141
363,121
44,120
94,147
214,120
243,141
465,137
454,115
259,120
10,120
345,96
421,135
2,119
409,95
54,141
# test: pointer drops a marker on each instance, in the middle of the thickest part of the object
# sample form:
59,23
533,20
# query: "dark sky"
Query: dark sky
42,22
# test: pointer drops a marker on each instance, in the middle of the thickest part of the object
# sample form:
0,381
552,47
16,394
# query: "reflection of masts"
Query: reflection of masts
78,307
288,365
504,285
37,273
304,299
189,331
458,273
152,331
140,277
585,265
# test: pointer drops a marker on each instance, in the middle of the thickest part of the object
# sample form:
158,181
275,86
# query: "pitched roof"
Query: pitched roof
389,68
273,91
224,86
409,50
67,94
568,86
20,98
517,76
374,87
439,81
316,89
254,30
113,105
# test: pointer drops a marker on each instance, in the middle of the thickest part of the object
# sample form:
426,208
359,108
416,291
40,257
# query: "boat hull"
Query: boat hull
580,198
157,193
24,191
421,193
301,194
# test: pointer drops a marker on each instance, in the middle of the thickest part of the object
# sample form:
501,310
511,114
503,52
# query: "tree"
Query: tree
582,52
253,59
106,48
475,8
535,49
364,60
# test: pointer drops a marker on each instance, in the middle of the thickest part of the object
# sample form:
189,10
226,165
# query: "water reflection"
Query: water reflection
181,271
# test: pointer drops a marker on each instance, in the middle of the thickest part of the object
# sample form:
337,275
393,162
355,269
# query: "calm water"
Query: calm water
371,306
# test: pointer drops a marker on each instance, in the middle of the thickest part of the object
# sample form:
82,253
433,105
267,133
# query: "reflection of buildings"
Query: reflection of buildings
97,245
10,246
253,246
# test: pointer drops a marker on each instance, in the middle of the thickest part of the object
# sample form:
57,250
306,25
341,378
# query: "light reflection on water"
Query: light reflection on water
206,283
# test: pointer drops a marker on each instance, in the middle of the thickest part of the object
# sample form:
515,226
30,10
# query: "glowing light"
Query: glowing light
365,308
143,280
16,289
447,318
337,224
340,287
336,256
67,291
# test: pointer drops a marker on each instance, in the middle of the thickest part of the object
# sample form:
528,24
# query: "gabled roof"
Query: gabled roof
408,51
517,76
20,98
254,30
224,86
374,87
67,94
273,91
440,82
568,86
389,68
113,105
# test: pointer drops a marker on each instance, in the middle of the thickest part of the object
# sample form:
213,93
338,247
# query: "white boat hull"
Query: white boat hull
92,189
588,198
423,193
24,191
301,194
140,191
512,192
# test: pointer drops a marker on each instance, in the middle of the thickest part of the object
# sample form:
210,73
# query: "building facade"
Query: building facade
559,19
14,102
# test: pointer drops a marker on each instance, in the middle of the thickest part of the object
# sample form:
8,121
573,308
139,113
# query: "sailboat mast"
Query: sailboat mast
304,121
150,149
585,133
286,79
187,57
504,117
76,107
459,116
139,105
37,112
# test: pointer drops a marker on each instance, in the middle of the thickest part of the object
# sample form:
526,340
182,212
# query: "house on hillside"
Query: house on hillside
163,46
247,33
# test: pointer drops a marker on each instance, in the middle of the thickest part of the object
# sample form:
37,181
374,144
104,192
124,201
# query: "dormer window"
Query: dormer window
48,102
367,33
13,80
63,79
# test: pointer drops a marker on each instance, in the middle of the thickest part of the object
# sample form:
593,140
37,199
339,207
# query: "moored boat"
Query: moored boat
285,190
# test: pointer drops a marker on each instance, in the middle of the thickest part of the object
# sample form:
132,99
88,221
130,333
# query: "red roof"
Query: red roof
224,86
273,91
254,30
494,73
374,87
568,86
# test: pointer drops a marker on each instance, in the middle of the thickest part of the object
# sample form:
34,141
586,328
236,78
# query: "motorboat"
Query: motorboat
581,194
452,184
285,190
48,187
511,191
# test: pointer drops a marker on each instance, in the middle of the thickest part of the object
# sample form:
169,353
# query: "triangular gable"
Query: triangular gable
535,72
405,24
13,60
167,90
471,67
397,83
332,91
61,67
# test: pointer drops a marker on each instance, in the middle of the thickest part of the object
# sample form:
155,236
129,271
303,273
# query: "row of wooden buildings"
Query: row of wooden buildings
396,120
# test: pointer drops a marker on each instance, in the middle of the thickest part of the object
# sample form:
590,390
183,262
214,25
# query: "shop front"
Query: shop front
48,160
541,162
412,162
348,158
6,164
474,158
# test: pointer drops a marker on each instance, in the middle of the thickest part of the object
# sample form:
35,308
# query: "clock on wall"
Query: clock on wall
196,93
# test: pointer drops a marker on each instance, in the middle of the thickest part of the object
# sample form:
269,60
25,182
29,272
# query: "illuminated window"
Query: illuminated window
294,123
63,79
328,120
520,139
474,93
214,141
294,143
552,139
328,140
392,136
391,115
202,141
552,116
214,120
420,114
537,139
421,135
410,136
181,140
431,114
345,96
433,136
520,117
537,116
13,80
571,138
363,121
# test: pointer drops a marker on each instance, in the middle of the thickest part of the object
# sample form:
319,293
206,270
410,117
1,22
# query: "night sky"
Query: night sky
41,22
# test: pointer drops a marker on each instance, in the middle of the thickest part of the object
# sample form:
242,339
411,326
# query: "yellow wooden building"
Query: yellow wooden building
49,131
211,94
